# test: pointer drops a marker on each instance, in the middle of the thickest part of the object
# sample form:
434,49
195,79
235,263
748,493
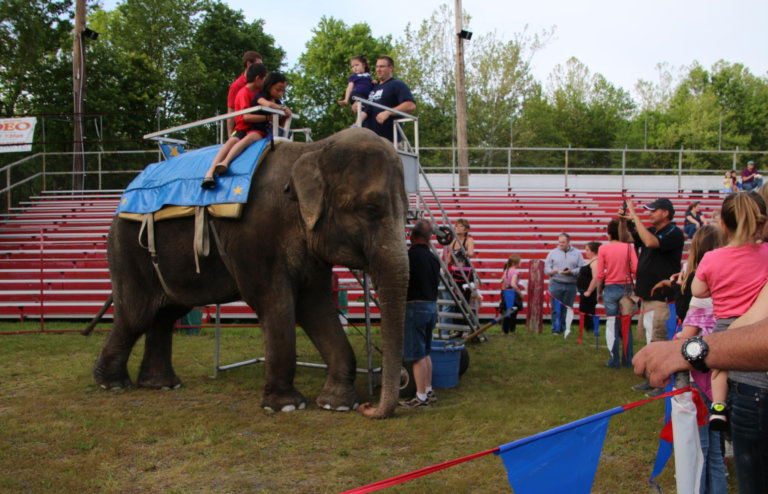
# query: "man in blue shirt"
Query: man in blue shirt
562,266
389,92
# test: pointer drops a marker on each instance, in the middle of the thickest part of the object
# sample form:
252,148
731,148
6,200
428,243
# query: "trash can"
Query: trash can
192,319
446,356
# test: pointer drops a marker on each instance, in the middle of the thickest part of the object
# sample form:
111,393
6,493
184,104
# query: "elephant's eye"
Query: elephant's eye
373,210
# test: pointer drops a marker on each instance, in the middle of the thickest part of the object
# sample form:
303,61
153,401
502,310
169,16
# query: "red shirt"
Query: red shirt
613,261
235,88
243,100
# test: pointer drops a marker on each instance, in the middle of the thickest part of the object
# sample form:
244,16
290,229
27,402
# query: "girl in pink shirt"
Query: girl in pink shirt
733,276
510,280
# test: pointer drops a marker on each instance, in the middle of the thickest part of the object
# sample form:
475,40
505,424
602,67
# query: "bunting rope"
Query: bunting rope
381,484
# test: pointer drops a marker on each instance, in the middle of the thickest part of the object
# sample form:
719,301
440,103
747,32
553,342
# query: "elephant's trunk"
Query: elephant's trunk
391,278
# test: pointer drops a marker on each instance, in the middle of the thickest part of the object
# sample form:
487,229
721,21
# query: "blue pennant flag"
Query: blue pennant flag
563,459
170,150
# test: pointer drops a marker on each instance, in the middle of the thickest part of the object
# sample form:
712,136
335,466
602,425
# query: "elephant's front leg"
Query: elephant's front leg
318,316
279,330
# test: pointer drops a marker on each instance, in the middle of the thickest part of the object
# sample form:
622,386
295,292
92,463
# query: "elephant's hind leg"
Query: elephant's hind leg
111,368
156,371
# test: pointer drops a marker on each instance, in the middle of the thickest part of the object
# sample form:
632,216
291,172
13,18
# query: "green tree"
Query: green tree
589,109
31,33
743,101
498,75
320,78
213,59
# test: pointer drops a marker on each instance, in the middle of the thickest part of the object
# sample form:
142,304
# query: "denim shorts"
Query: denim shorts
420,320
611,296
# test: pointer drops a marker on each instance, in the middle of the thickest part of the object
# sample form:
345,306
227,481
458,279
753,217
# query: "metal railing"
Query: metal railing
107,169
511,161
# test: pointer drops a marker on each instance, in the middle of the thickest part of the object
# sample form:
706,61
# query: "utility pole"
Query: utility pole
461,101
78,87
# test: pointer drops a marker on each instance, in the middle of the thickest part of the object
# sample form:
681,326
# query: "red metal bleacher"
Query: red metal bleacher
53,247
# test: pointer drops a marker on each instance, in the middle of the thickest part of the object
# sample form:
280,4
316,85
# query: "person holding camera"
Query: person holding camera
660,253
562,266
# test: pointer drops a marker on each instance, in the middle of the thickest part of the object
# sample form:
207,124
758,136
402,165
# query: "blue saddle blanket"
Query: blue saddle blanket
176,182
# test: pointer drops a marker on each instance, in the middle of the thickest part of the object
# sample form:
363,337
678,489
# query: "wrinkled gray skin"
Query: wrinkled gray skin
312,205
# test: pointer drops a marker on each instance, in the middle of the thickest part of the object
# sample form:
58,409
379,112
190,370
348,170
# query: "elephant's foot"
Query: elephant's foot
111,377
288,401
158,381
338,397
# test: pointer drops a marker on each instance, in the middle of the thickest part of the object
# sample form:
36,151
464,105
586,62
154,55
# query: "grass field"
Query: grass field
60,433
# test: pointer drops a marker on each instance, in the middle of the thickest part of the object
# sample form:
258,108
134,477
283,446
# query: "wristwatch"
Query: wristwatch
695,350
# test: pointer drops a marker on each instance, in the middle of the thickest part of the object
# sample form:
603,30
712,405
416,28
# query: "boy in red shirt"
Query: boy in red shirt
254,77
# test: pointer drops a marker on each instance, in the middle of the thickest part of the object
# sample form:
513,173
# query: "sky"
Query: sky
622,40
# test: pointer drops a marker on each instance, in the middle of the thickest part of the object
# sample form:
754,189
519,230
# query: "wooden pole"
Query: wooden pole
535,296
78,87
461,103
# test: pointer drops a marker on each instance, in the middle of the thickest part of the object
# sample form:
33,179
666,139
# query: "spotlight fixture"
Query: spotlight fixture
87,33
464,34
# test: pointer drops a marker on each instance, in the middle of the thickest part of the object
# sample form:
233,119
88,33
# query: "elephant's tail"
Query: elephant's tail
89,329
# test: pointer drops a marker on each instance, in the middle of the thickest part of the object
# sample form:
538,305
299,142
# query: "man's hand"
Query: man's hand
382,116
660,287
659,360
628,213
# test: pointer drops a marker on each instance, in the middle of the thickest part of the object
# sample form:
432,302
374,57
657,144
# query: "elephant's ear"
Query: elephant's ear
307,186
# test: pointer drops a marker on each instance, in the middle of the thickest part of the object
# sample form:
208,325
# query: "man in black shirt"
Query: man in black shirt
421,313
661,250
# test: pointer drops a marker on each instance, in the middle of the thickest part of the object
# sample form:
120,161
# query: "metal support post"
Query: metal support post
368,343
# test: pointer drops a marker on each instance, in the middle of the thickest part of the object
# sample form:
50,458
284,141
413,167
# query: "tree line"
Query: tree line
159,63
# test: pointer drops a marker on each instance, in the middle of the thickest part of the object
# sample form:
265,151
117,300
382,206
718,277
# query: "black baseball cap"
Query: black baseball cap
661,203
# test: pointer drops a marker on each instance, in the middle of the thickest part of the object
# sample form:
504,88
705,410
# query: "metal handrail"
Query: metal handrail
397,130
215,119
382,107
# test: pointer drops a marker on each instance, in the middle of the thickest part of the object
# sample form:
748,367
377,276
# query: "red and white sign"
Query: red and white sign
16,134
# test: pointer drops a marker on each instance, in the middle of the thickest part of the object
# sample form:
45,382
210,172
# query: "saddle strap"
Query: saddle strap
148,224
202,237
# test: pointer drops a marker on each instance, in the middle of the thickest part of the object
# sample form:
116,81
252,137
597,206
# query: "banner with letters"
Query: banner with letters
16,134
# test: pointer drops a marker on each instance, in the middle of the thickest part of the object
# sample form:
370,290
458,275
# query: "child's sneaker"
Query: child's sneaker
431,396
415,402
718,419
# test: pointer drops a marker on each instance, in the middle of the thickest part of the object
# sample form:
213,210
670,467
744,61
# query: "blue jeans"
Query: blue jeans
749,430
564,293
754,184
420,320
690,230
611,296
713,472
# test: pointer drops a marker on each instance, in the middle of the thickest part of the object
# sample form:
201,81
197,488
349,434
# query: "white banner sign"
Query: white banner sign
16,134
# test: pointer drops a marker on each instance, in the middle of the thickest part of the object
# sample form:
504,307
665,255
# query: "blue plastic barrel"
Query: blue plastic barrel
446,356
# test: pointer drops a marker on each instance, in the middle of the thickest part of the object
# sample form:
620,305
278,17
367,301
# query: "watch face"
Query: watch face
693,349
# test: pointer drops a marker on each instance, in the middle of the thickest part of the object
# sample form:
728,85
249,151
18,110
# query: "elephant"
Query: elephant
337,201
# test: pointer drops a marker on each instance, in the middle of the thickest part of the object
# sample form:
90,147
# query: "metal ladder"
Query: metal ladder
462,313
